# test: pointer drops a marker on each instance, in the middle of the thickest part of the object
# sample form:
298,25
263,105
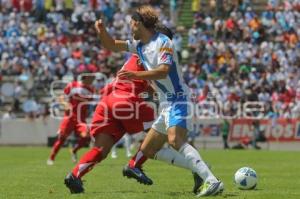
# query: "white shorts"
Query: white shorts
176,114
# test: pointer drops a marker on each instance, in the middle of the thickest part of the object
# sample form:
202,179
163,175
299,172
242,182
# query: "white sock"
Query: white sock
197,164
170,156
127,143
114,150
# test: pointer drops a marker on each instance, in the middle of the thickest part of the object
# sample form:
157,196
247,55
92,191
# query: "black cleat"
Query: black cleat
137,174
198,182
74,184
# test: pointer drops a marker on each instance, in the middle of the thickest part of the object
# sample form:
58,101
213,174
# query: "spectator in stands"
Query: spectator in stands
174,11
17,95
196,6
177,41
247,55
236,51
48,40
9,114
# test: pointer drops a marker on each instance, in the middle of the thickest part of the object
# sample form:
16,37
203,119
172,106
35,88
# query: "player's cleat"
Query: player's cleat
137,174
211,189
74,184
198,182
50,162
73,156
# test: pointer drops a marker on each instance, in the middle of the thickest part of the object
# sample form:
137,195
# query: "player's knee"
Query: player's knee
104,152
175,142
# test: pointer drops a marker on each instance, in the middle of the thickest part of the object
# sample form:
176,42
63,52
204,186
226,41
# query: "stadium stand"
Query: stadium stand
238,50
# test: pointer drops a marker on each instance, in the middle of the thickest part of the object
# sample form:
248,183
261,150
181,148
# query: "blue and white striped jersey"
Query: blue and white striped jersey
160,50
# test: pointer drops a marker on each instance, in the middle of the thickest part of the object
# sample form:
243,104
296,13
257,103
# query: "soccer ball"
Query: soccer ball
245,178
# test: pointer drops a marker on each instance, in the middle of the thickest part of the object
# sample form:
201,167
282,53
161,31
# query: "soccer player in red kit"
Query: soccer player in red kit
75,115
120,110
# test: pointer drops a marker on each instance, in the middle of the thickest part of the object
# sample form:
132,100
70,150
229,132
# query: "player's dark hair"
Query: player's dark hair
164,30
147,15
137,17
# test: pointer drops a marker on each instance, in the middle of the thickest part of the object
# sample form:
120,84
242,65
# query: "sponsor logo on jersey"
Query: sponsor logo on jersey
167,50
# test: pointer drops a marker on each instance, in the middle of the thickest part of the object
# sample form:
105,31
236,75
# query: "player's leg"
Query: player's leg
56,147
66,127
103,144
177,139
151,144
83,141
127,144
194,161
152,148
145,118
178,123
114,151
82,133
106,132
142,121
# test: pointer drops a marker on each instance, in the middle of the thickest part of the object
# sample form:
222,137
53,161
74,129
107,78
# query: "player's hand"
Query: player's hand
99,25
124,74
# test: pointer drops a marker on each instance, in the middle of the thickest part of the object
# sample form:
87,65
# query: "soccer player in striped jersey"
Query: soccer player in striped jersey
156,52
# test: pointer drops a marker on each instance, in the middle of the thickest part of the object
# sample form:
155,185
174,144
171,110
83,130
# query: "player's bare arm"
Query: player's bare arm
107,41
160,72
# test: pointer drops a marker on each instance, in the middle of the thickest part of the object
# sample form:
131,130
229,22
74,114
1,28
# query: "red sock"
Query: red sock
87,162
137,160
81,143
57,145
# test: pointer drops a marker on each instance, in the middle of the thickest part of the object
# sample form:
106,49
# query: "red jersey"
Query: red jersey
77,89
134,115
132,86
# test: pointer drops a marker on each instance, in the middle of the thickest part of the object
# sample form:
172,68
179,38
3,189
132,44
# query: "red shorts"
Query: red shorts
119,115
69,124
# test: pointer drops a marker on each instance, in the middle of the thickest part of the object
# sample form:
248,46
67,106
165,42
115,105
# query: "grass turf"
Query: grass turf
24,174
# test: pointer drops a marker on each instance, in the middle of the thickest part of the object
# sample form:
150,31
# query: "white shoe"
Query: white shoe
211,189
128,154
50,162
114,155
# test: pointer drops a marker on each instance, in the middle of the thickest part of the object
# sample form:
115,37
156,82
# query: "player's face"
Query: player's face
134,25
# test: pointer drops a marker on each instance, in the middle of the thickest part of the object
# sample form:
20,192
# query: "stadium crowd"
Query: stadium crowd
42,41
244,56
234,54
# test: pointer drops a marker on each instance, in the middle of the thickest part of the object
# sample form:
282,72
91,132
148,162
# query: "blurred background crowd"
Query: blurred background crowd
230,52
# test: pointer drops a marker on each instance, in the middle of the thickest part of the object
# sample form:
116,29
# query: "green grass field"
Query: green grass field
24,174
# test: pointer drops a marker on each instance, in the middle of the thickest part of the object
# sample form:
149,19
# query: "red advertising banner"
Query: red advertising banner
282,130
